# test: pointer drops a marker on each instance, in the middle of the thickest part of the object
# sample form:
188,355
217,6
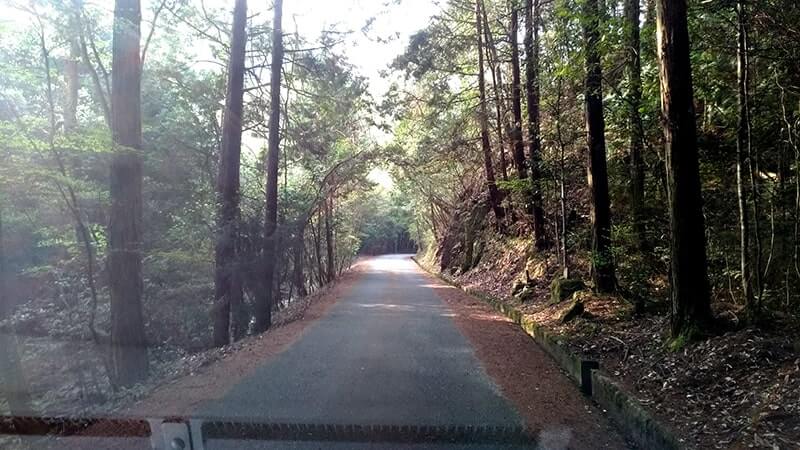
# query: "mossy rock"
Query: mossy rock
573,312
518,286
563,288
536,268
525,294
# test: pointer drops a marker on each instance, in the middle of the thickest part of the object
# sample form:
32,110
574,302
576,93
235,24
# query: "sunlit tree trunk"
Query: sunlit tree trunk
266,297
533,16
494,194
497,83
562,179
72,78
227,287
100,93
691,310
752,283
602,259
742,145
129,347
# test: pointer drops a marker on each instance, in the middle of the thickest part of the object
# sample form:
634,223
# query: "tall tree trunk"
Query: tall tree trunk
635,146
562,178
72,75
533,16
602,259
14,388
745,144
264,305
516,98
494,194
742,147
298,278
330,259
691,310
100,93
227,287
317,235
129,347
67,192
497,83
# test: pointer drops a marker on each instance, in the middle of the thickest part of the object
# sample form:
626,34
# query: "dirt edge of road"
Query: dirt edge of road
185,395
548,402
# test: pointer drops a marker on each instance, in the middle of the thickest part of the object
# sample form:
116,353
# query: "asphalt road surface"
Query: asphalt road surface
387,353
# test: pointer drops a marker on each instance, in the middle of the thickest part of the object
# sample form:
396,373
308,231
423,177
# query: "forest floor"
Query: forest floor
736,390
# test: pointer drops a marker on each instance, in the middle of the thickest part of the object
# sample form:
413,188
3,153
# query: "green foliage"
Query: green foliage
327,153
515,185
386,223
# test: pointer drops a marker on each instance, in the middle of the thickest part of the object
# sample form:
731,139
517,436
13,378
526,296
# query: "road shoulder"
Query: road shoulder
528,378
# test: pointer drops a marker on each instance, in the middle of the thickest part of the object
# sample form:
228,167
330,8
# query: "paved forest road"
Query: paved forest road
387,353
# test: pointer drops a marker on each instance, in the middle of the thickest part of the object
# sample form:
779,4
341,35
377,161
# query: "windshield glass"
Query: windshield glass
405,223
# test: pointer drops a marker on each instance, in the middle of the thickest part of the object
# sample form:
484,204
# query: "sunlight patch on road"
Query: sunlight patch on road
388,306
489,317
556,438
438,286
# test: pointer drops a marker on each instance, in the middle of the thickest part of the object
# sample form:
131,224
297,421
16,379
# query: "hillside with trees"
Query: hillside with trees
647,163
626,173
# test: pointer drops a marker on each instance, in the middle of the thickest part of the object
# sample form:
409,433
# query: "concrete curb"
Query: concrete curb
623,409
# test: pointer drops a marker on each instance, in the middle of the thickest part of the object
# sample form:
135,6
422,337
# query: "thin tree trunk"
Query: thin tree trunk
227,288
71,73
129,347
516,99
562,181
494,194
66,191
330,259
298,278
533,16
497,83
744,137
602,259
691,310
742,146
100,94
266,297
634,69
318,249
433,222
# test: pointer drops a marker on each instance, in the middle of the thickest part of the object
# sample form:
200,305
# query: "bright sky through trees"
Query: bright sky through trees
377,30
373,43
